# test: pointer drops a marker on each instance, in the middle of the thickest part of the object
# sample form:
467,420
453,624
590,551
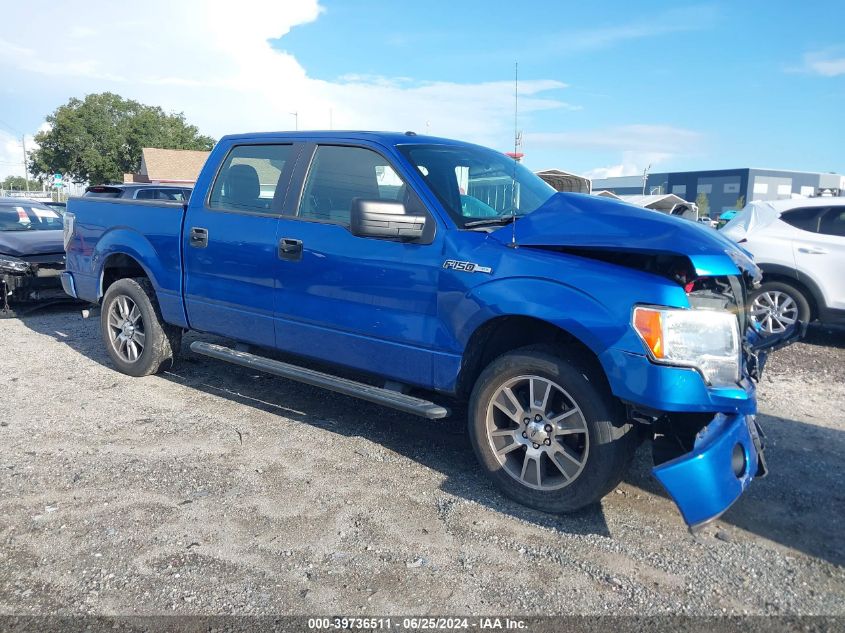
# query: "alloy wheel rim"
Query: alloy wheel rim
126,328
537,432
774,311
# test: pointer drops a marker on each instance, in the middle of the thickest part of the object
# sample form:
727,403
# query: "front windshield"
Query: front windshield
29,217
475,183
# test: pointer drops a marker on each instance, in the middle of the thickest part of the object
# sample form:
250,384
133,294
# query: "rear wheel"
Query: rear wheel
776,306
137,339
549,433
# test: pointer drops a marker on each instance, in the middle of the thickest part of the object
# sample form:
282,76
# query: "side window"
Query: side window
248,178
145,194
833,222
171,194
805,219
340,174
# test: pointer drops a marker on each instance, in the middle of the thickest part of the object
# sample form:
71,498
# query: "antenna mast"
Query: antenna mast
516,140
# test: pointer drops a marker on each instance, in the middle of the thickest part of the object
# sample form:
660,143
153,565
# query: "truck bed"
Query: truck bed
149,231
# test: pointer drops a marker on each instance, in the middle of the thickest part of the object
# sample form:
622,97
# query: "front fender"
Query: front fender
562,305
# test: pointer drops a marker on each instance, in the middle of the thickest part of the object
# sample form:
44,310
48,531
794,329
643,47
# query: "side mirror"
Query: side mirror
385,219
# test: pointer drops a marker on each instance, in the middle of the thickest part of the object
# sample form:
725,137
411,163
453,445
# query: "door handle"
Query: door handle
290,249
198,237
812,251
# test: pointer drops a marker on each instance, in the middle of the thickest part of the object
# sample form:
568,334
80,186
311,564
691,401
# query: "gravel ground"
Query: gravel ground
211,489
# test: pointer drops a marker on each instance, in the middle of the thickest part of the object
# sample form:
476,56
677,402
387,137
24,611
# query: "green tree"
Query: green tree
703,205
18,183
740,203
100,138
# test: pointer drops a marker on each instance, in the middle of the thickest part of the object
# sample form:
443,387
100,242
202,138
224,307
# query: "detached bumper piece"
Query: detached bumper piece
726,456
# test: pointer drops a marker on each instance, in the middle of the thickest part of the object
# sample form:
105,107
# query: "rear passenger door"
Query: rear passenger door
362,302
229,244
822,255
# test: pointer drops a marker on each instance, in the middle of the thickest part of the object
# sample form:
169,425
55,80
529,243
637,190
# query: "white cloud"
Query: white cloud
828,63
639,146
673,20
638,137
212,60
11,153
633,164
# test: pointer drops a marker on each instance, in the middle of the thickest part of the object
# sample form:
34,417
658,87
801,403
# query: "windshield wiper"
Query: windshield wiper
500,220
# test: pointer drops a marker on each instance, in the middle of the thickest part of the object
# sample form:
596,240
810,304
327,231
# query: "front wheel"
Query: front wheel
776,306
548,432
137,339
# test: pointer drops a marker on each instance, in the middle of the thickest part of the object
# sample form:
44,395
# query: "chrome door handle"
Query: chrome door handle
290,249
812,251
198,237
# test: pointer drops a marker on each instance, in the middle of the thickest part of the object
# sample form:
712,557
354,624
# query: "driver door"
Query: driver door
363,302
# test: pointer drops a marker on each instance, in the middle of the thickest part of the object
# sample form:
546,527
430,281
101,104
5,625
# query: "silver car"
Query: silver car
800,246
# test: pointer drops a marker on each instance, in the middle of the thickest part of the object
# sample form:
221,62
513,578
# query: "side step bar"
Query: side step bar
385,397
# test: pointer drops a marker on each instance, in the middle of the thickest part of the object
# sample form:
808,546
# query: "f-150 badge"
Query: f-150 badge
467,267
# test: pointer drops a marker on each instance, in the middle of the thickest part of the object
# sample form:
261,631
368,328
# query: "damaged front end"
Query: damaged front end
686,368
705,461
36,278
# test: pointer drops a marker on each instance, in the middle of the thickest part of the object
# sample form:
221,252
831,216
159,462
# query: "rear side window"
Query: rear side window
339,174
248,179
806,219
170,194
102,192
833,222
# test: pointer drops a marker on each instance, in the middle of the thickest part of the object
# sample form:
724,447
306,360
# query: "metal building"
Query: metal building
724,187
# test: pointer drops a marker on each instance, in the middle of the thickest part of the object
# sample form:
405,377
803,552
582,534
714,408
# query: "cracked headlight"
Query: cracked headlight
13,264
707,340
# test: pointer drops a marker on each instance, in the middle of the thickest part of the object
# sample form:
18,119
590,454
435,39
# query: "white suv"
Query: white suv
800,246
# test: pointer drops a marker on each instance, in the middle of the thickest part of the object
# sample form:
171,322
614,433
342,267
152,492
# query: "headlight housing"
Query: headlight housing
707,340
9,264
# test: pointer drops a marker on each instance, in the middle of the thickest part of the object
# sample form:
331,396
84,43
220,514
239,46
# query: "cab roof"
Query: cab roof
389,138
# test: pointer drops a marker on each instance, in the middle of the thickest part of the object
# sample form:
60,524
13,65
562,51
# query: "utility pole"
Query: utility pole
295,116
645,176
25,172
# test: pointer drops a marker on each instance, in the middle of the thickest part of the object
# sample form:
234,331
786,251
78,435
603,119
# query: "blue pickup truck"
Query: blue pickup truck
575,326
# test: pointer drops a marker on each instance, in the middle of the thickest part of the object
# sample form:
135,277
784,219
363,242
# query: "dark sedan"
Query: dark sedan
32,253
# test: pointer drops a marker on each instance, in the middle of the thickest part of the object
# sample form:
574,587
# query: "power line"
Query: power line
10,127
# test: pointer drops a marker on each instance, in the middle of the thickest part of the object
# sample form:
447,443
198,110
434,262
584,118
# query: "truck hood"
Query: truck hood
591,222
26,243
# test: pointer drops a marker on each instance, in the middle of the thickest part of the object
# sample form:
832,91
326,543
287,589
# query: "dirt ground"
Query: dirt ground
211,489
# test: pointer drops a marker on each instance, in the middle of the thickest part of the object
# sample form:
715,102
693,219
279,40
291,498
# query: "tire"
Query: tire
776,305
137,339
596,434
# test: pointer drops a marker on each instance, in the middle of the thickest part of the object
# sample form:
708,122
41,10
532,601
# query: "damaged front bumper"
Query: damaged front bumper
728,452
705,460
705,482
30,281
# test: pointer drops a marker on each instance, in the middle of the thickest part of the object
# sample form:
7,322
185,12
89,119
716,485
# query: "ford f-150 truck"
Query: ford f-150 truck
574,326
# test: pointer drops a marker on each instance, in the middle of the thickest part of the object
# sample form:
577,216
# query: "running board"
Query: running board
385,397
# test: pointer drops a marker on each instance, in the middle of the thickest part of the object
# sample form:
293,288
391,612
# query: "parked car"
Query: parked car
706,220
799,245
31,252
139,192
573,325
725,217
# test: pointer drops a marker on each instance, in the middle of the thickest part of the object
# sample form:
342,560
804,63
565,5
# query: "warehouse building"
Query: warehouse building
725,187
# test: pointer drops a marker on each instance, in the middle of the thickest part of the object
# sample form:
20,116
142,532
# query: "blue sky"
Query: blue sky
605,90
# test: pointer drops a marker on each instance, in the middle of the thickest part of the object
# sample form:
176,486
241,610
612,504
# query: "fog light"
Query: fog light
738,461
